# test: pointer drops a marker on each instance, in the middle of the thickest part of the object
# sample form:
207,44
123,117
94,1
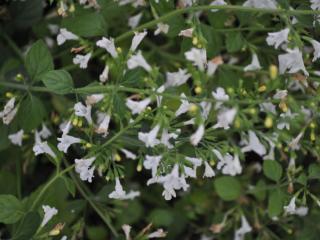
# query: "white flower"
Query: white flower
94,98
270,155
83,111
187,3
205,109
261,4
315,4
165,138
49,212
104,75
82,60
83,167
184,107
16,138
138,60
230,165
291,208
8,112
217,3
162,28
127,229
285,120
65,127
150,138
254,65
245,228
196,162
292,61
175,79
65,141
220,96
42,147
198,57
157,234
197,136
160,90
172,182
186,33
294,144
128,154
254,145
213,65
65,35
134,20
277,38
280,94
225,118
104,125
137,107
208,171
108,44
45,132
7,119
120,194
138,37
268,107
135,3
190,172
316,46
152,163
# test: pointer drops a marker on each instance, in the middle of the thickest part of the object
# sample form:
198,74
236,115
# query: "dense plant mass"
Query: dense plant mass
136,119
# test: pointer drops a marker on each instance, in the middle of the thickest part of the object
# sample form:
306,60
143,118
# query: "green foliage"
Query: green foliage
272,170
31,113
28,226
58,81
228,188
11,209
38,60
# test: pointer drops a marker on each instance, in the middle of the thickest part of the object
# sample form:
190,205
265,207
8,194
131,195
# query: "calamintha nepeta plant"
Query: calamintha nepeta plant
202,113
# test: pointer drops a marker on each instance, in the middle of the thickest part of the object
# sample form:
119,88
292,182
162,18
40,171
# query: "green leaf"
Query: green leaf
70,185
275,203
11,209
86,24
227,187
161,217
259,191
58,81
28,226
31,113
314,171
272,170
38,60
234,42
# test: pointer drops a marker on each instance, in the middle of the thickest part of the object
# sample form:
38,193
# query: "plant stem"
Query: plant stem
48,184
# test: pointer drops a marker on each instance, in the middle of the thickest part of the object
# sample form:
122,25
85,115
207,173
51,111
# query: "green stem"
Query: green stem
106,88
86,193
48,184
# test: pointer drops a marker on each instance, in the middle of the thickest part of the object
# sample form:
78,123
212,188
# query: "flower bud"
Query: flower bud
117,157
268,122
262,88
198,90
273,72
